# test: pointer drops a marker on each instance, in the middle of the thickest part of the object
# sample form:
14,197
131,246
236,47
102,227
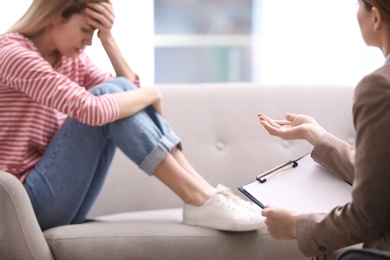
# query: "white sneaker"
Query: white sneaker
223,212
227,192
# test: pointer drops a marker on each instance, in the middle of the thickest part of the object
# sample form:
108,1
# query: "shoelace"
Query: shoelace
232,204
227,192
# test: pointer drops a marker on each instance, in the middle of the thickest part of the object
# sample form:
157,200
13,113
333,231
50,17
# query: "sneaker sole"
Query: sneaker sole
225,226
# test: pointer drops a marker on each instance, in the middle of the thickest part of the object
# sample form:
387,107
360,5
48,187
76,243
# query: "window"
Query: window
313,42
202,40
263,41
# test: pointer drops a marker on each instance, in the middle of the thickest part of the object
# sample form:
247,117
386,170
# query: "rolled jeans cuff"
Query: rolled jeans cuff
167,144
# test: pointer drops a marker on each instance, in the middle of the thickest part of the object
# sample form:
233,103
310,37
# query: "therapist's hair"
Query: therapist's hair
382,5
42,12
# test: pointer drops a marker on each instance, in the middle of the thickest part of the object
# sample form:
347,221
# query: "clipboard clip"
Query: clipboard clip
274,171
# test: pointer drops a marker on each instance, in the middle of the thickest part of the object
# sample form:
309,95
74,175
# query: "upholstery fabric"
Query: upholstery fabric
159,235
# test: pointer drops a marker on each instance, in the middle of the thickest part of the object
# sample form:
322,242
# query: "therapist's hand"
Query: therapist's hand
281,223
301,127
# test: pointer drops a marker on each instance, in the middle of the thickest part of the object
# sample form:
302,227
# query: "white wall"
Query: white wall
134,32
11,12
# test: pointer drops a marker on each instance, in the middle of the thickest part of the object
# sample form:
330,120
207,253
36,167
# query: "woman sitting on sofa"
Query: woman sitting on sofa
366,219
61,119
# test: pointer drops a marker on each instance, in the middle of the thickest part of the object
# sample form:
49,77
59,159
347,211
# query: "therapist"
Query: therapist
365,221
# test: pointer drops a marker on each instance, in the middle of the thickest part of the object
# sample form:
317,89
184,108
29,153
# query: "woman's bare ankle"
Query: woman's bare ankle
199,198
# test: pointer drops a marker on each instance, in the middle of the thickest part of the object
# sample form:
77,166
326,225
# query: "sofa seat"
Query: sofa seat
159,234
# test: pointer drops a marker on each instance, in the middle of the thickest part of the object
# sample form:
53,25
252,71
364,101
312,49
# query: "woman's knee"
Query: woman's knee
118,84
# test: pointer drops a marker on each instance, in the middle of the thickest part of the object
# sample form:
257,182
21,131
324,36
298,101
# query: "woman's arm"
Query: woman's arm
130,102
101,17
301,127
329,151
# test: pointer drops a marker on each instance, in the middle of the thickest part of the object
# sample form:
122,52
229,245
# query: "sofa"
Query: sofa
137,217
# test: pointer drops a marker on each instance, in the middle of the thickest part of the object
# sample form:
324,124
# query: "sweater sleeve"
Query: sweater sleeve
94,75
367,217
26,71
335,155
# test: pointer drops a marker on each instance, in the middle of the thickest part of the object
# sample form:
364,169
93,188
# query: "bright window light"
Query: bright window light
312,42
292,42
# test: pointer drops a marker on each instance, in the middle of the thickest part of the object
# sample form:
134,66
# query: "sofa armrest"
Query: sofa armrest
20,234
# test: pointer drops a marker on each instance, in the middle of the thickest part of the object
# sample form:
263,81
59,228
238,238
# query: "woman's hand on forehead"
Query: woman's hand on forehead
100,16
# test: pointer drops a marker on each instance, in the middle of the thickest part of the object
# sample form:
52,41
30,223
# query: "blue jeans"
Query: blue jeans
65,183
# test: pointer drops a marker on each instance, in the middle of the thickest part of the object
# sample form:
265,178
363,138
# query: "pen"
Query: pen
262,177
283,122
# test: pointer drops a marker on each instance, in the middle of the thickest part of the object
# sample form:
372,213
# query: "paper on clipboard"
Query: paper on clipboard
307,188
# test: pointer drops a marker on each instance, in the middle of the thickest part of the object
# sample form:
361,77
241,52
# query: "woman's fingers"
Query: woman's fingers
101,15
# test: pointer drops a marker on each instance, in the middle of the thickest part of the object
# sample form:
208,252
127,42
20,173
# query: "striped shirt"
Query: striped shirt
35,99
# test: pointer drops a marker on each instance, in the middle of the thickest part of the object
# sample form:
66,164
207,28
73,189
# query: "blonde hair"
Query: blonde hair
42,12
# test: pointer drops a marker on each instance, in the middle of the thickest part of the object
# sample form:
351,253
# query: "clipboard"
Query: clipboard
301,185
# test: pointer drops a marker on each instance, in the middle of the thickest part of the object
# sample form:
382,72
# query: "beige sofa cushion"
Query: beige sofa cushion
160,235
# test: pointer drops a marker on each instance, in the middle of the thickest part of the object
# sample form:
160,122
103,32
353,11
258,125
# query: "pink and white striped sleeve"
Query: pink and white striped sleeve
27,72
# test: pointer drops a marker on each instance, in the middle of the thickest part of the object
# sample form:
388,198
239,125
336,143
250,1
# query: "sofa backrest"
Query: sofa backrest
223,139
